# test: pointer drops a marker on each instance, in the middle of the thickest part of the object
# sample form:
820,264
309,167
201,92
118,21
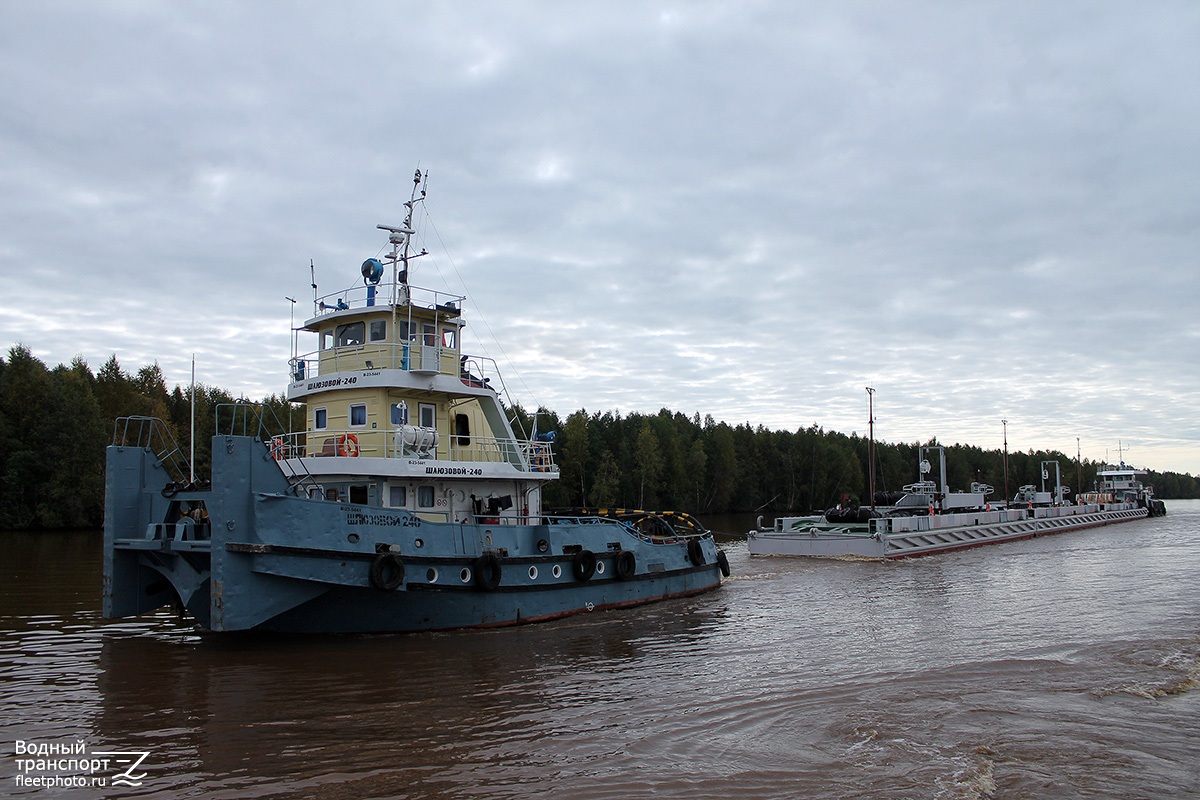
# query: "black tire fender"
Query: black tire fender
584,565
625,565
723,563
487,571
387,572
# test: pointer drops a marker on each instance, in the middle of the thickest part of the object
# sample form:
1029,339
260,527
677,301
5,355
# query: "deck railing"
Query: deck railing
472,370
527,456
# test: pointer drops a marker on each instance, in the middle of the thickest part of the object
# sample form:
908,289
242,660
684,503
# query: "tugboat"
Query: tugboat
928,518
407,504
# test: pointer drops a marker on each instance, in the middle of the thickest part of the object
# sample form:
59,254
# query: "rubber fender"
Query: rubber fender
487,571
584,565
387,572
626,565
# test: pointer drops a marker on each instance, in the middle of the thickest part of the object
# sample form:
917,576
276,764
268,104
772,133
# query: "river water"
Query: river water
1060,667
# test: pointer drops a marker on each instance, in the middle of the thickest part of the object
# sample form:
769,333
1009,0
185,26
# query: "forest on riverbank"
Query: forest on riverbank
56,422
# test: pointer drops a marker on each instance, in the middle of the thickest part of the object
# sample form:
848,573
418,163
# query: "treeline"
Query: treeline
667,460
55,424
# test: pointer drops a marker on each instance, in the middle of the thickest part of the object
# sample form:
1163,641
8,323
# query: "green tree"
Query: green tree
648,464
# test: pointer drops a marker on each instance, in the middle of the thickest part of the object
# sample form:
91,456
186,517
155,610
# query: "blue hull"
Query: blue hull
267,559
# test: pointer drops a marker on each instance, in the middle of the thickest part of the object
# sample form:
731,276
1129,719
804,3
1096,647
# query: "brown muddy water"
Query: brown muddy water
1060,667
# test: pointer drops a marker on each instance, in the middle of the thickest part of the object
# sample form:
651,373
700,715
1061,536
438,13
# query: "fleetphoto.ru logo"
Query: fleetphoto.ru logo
73,764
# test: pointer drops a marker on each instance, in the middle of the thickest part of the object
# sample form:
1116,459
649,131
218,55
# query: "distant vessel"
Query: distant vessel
407,504
928,518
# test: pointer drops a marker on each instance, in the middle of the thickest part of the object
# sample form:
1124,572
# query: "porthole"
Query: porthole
533,573
599,567
431,575
418,542
465,575
352,538
557,571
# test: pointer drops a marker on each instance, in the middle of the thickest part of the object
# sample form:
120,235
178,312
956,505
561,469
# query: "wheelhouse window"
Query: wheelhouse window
377,331
320,419
428,413
449,336
462,429
429,332
399,413
350,334
327,339
358,414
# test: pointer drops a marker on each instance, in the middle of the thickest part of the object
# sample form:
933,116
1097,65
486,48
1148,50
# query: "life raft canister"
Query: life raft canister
348,445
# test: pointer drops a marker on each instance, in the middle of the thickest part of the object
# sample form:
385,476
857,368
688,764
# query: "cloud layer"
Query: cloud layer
749,210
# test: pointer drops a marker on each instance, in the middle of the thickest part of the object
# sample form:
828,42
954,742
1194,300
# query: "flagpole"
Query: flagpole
192,456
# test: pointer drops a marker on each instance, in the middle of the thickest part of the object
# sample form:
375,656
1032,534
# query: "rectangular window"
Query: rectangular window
320,419
358,494
430,334
327,339
378,330
448,337
425,497
407,330
400,413
358,415
397,496
428,412
350,334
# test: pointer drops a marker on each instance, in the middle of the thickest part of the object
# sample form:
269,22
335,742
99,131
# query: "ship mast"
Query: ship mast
871,444
402,237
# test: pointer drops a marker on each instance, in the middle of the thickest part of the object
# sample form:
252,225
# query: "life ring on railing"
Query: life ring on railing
348,445
277,448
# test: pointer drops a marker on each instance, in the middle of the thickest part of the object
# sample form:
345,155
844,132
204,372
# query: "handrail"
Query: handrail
247,419
386,293
411,356
525,455
152,433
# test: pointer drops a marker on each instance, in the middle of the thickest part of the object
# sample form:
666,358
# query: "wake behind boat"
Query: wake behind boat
408,503
928,518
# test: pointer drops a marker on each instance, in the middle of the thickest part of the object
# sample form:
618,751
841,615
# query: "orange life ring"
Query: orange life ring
348,445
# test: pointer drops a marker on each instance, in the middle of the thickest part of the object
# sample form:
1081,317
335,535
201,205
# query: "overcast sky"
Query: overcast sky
752,210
